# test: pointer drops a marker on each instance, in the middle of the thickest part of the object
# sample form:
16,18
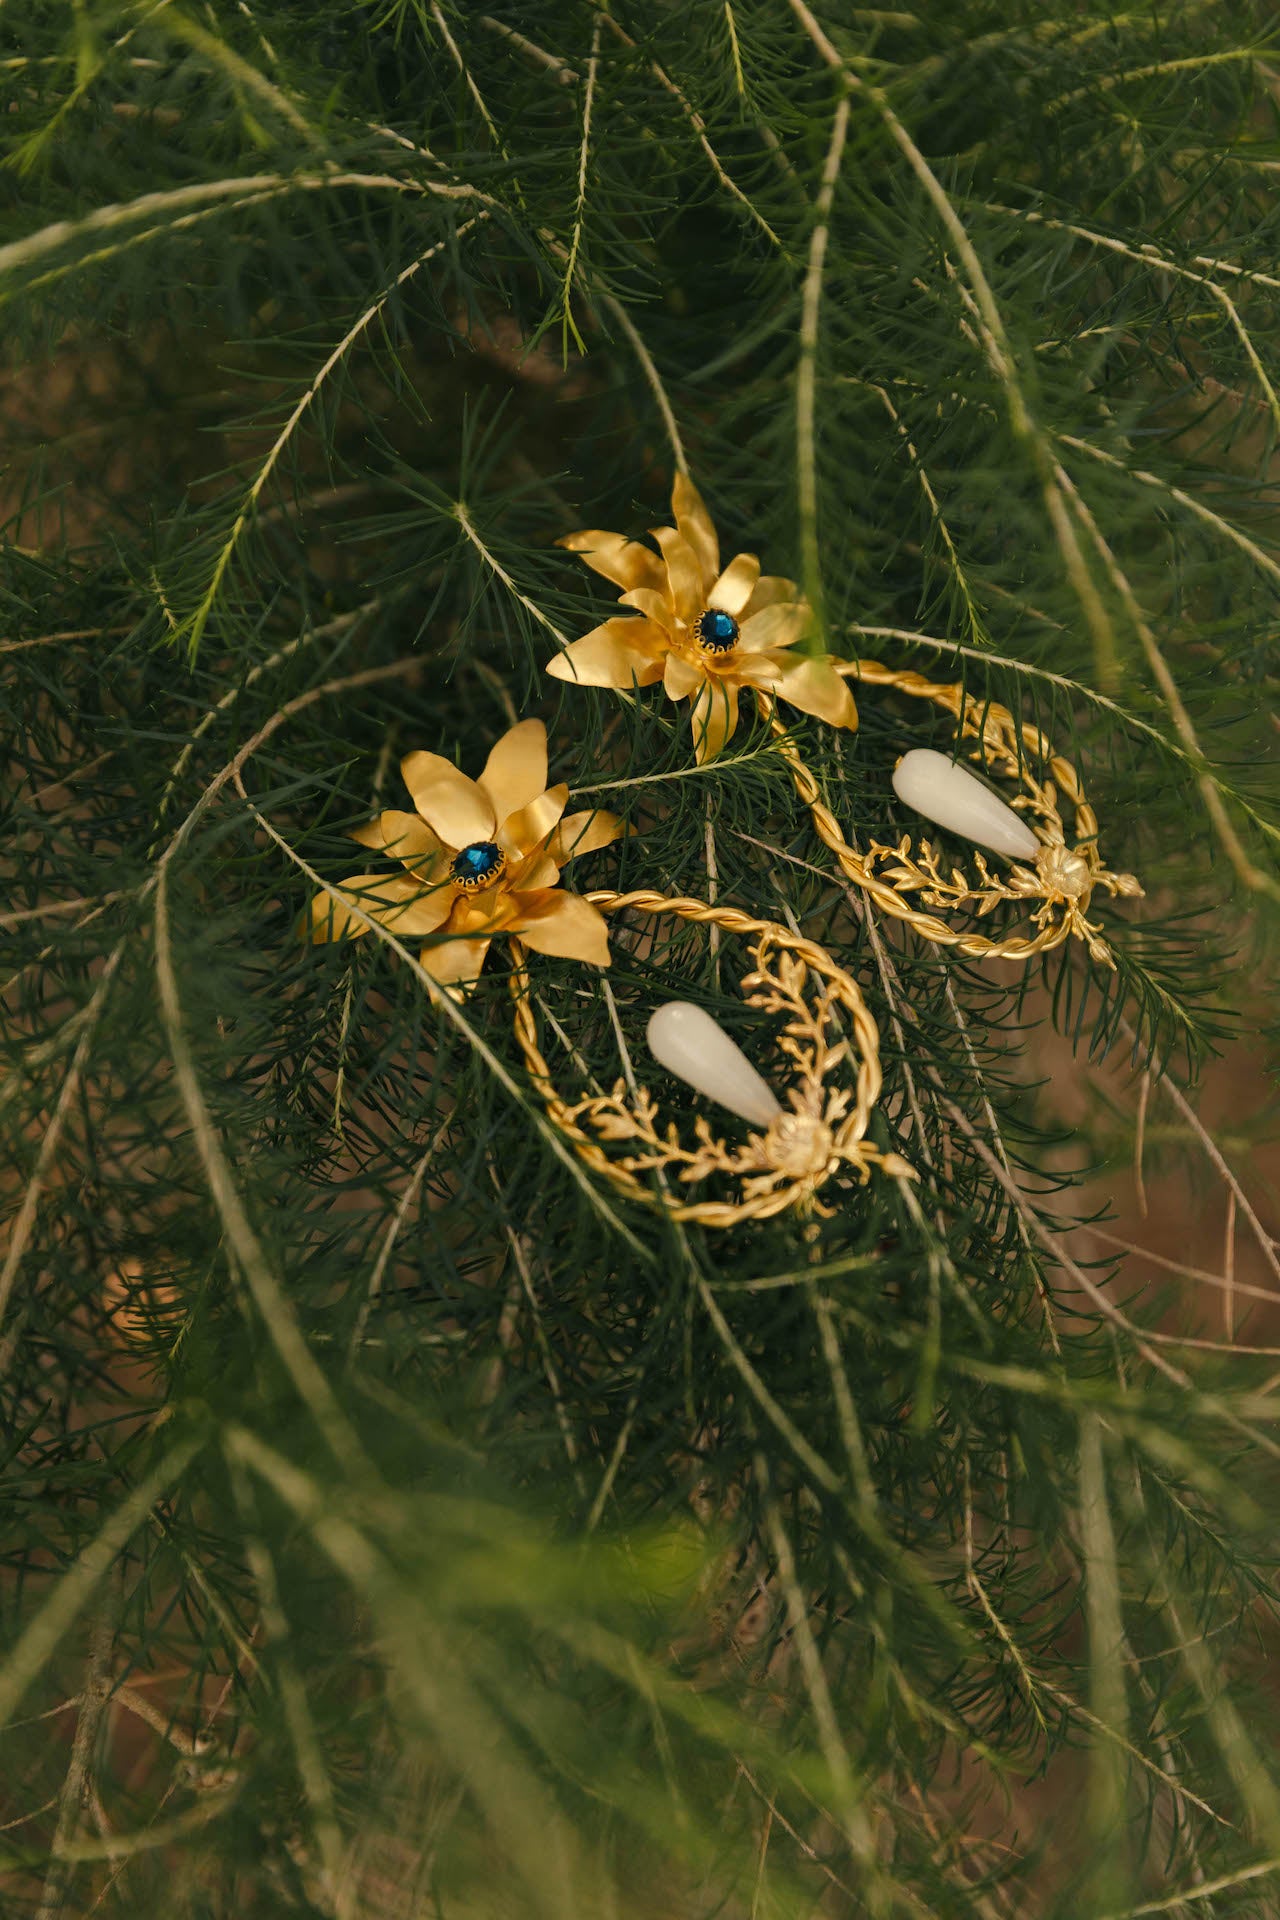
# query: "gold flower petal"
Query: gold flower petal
369,833
715,715
734,588
491,911
408,837
812,685
516,771
418,917
562,924
780,625
685,580
621,653
521,832
580,833
623,561
654,606
455,962
768,590
395,902
680,677
447,800
328,917
696,526
537,870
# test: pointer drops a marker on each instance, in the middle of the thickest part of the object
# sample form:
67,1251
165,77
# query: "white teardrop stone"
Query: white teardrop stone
947,792
689,1043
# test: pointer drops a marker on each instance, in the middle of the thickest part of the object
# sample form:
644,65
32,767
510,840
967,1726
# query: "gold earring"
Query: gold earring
912,883
796,1146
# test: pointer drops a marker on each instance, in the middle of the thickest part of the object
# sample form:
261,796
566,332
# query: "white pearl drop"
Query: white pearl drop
947,792
689,1043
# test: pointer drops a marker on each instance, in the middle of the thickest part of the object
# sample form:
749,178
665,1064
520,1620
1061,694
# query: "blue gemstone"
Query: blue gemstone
477,862
717,631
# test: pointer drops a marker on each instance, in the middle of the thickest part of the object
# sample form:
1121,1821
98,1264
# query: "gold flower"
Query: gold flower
704,633
483,857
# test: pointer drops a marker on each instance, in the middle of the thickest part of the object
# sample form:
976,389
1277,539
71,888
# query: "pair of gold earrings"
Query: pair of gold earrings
482,859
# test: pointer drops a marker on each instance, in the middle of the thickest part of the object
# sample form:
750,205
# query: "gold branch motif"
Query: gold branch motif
831,1044
910,882
1063,881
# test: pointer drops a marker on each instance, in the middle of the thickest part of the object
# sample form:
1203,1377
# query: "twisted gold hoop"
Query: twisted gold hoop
1064,878
781,1168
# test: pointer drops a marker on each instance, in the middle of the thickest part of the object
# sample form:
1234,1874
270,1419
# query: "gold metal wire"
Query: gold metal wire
1013,744
849,1143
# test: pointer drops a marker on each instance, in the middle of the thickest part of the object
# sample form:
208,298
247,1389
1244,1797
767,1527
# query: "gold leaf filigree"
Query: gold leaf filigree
909,882
827,1037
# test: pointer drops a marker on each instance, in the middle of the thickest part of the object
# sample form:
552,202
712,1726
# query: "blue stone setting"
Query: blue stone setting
477,865
717,632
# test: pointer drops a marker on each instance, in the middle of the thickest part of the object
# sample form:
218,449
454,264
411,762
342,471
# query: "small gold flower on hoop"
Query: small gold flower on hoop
1064,880
705,632
481,857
